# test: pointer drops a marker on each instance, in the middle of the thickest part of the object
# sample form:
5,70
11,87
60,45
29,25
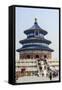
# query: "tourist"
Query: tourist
50,76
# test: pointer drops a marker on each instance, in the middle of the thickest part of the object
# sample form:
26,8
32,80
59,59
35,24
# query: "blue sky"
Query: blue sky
48,19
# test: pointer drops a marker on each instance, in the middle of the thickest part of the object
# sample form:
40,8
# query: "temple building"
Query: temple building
35,45
33,49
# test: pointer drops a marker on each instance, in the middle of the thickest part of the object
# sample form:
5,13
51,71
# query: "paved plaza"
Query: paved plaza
35,79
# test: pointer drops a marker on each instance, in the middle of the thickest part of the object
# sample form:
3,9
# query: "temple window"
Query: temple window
36,33
37,56
28,56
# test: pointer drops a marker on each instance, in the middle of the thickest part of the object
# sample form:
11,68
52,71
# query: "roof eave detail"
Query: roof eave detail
35,40
21,49
32,30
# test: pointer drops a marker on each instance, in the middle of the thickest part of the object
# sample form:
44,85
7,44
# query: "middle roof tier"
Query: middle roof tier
35,40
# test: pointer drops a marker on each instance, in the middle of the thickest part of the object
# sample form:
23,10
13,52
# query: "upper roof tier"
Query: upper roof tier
35,27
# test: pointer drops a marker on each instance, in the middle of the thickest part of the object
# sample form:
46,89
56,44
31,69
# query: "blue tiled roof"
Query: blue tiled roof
43,48
35,40
35,27
34,45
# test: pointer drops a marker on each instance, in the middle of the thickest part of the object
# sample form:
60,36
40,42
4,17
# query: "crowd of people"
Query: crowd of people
50,73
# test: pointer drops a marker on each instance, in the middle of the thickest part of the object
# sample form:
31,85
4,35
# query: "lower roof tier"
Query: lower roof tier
37,47
35,40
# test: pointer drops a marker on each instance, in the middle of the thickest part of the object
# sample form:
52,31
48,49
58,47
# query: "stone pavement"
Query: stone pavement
35,79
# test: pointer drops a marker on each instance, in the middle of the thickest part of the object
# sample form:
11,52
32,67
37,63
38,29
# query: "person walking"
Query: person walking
50,76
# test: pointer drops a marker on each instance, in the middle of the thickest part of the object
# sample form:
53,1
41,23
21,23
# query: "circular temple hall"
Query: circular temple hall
35,56
35,45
